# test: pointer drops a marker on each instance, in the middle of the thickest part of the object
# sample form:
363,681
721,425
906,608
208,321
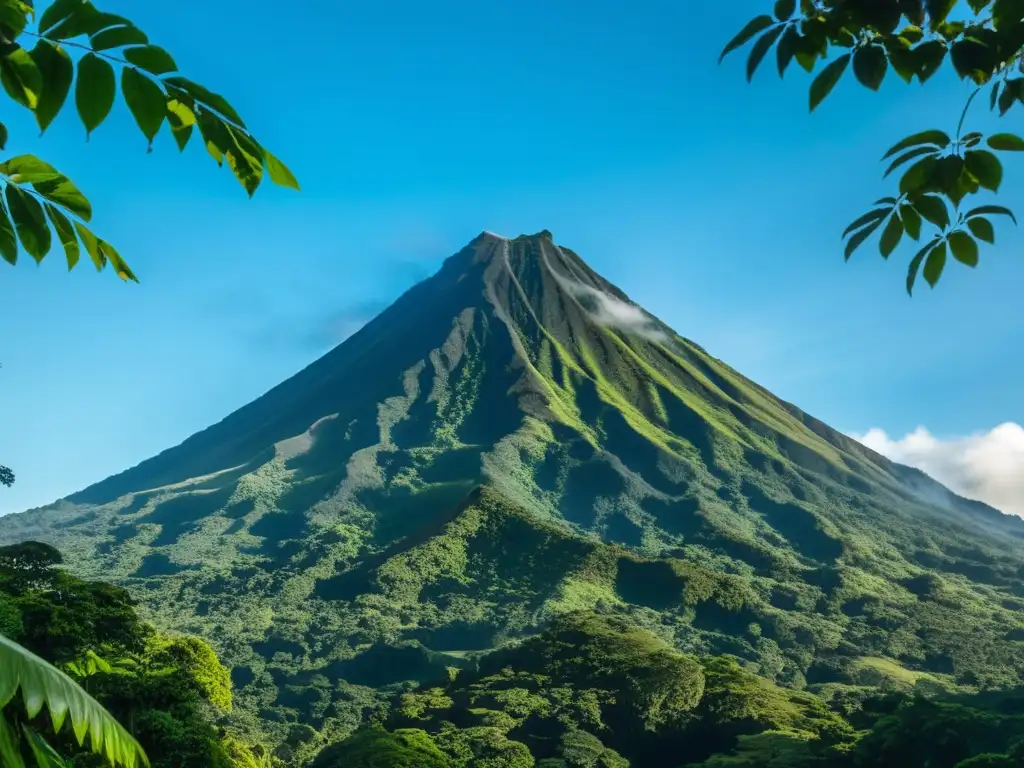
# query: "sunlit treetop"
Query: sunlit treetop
942,170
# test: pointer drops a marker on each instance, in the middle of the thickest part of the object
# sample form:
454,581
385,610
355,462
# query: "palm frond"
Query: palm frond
42,685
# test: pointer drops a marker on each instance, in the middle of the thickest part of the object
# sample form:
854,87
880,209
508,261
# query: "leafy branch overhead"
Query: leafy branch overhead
983,41
38,201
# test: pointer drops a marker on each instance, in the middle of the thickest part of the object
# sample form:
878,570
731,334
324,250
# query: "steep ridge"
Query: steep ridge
513,439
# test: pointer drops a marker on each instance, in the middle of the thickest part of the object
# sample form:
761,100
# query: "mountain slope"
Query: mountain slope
514,439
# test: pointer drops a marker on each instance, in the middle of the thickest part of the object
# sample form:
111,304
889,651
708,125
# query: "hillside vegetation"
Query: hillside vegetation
513,446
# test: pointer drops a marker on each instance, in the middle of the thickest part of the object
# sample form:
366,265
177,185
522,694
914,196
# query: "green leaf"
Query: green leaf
916,152
948,170
939,139
903,62
86,20
929,56
122,270
878,213
206,97
8,239
827,79
152,59
245,158
932,208
3,137
891,236
92,246
1006,142
66,234
30,222
760,49
938,10
752,28
787,48
915,265
973,59
869,66
182,121
972,139
94,91
58,11
1007,13
982,229
21,77
28,169
911,221
912,33
985,167
57,72
934,264
964,248
919,175
858,239
116,37
214,134
784,9
279,173
63,192
43,685
10,751
146,100
993,210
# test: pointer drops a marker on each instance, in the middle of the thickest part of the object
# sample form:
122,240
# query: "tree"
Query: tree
37,197
943,169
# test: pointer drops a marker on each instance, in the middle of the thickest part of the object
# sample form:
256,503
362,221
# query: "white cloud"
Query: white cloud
987,466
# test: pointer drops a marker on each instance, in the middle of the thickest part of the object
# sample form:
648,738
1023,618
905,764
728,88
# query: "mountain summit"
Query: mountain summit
514,439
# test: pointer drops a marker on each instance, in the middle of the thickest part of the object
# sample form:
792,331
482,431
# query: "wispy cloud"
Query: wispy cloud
987,466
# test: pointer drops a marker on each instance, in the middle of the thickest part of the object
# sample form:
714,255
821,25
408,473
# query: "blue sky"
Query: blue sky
715,204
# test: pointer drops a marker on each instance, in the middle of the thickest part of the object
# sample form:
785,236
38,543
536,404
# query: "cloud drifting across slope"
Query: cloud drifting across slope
987,466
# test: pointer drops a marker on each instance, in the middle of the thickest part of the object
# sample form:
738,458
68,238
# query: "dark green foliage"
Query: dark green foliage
375,748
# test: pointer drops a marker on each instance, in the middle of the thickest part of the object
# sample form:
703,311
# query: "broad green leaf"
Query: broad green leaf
1007,13
948,170
985,167
827,79
760,49
63,192
146,100
30,222
21,77
215,135
932,208
934,264
973,59
182,121
10,751
125,273
28,169
885,201
891,236
964,248
92,246
994,210
903,62
919,175
116,37
972,139
752,28
45,755
1006,142
56,13
784,9
982,229
878,213
43,685
279,173
94,91
152,59
86,20
3,137
937,138
245,158
869,66
911,221
14,15
915,265
8,239
938,10
858,239
912,33
206,97
57,72
929,56
786,48
916,152
66,234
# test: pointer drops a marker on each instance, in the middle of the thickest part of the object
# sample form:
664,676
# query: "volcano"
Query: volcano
514,439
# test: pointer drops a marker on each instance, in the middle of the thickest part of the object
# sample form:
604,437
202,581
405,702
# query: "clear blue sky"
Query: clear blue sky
412,126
